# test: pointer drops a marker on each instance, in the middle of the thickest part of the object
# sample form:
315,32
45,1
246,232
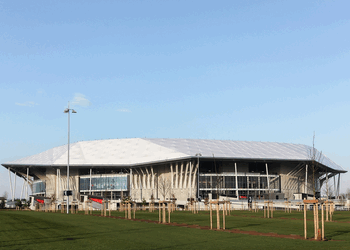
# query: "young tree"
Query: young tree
164,187
5,195
315,158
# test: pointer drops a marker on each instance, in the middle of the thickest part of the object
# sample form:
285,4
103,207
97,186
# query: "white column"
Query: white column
338,184
186,173
148,179
27,197
305,190
194,175
56,183
236,179
152,173
14,188
90,181
190,175
10,182
171,175
181,175
327,189
189,179
268,179
131,185
177,175
144,186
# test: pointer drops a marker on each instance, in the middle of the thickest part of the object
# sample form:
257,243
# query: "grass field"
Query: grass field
39,230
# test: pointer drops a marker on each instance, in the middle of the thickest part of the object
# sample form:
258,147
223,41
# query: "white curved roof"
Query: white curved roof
132,152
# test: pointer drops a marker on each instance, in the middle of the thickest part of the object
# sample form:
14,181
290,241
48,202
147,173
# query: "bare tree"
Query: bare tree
315,158
347,193
328,190
5,194
164,187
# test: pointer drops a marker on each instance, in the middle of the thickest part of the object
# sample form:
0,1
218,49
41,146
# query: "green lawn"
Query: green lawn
38,230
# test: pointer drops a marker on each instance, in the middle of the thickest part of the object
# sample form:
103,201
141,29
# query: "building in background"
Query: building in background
178,168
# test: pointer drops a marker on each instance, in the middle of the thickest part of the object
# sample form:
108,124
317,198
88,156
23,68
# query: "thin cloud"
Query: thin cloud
40,91
123,110
81,100
26,104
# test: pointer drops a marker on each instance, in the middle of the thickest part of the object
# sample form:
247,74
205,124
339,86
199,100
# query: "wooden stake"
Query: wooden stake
169,211
164,215
160,213
211,216
305,226
322,221
217,217
315,221
223,215
271,209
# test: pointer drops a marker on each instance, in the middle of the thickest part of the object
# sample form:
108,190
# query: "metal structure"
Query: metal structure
68,110
233,169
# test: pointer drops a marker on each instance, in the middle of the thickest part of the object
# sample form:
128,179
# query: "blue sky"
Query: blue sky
237,70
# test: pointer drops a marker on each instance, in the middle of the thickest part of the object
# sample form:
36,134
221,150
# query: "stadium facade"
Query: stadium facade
177,168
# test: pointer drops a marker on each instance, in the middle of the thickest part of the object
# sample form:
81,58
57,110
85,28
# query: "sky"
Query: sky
273,71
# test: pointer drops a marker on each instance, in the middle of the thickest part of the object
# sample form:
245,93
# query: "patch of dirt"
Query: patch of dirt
236,231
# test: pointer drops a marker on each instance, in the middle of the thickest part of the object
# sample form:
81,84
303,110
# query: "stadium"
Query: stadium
164,169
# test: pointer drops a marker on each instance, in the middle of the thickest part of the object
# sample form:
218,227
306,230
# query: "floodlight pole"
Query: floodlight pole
67,110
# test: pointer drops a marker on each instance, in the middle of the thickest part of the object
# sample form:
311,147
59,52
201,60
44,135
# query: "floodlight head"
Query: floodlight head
66,111
198,154
73,111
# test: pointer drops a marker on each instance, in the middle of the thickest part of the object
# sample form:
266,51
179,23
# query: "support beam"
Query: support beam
57,184
338,186
148,179
27,193
10,183
172,175
268,179
176,175
181,174
90,181
130,183
186,173
327,188
14,188
305,190
189,179
152,173
194,176
236,179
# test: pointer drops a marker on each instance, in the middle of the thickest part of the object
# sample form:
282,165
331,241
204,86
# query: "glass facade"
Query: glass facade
117,183
39,187
225,184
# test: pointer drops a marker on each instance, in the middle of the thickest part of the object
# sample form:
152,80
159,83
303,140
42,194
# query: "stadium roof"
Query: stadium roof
138,151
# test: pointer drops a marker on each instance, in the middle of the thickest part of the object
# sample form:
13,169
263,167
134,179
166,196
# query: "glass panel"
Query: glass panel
242,182
39,187
105,183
